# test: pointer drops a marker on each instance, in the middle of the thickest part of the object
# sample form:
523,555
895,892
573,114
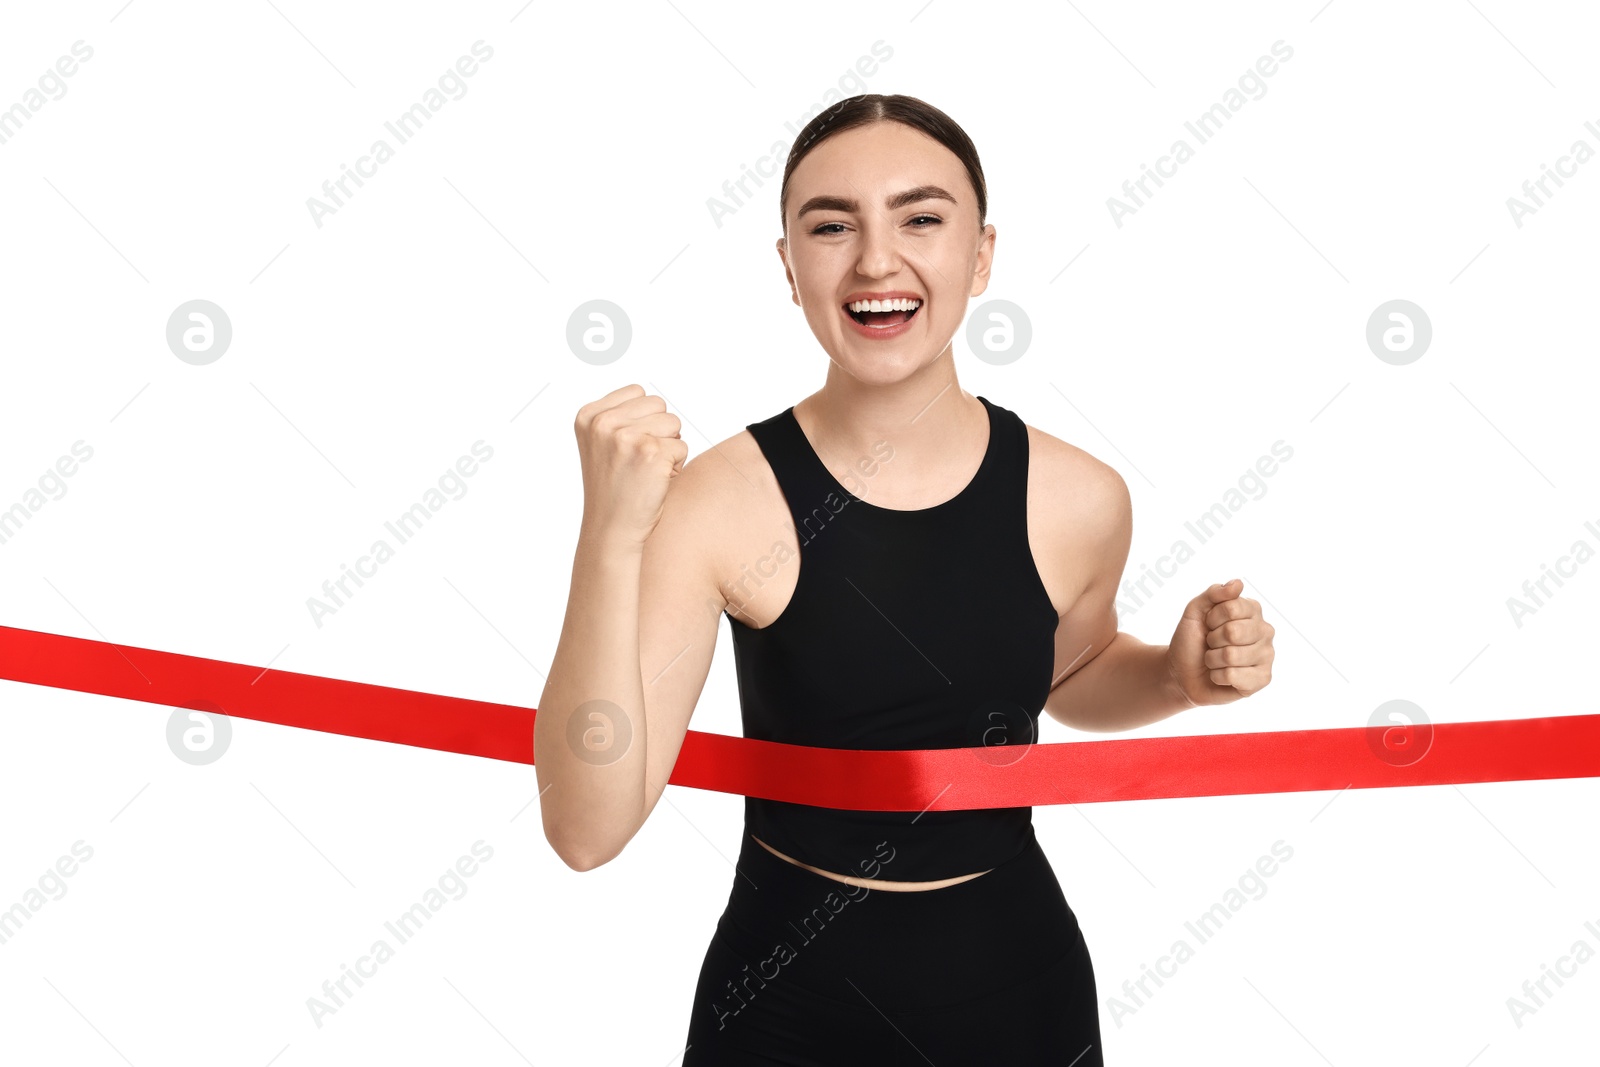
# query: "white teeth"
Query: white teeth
902,304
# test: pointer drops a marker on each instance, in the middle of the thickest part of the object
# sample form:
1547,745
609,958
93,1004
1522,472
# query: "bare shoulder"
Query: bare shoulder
1076,487
730,473
711,501
1080,516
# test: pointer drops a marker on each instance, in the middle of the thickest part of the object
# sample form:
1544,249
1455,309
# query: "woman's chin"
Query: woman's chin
885,363
881,368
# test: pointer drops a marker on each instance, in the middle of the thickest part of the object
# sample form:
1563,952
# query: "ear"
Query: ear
783,254
985,261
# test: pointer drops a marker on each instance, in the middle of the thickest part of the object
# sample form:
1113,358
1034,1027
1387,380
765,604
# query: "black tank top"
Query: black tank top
927,628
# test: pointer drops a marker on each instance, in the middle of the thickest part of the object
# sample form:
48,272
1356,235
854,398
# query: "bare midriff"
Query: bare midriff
873,883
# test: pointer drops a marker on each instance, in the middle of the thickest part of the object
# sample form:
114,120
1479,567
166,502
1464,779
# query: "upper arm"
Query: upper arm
1094,521
680,605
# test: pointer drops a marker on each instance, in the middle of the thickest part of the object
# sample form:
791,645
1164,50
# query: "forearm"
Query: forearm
1126,686
591,800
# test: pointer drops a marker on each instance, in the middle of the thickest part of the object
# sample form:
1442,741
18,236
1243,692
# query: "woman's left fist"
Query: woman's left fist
1222,648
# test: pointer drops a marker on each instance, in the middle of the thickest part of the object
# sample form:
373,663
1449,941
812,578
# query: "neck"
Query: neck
925,417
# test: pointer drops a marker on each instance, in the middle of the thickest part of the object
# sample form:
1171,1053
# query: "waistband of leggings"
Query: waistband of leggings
772,877
1005,926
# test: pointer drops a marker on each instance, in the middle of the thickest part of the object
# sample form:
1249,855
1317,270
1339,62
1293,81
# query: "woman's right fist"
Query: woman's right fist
629,447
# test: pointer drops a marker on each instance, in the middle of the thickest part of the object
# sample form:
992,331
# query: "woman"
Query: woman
972,591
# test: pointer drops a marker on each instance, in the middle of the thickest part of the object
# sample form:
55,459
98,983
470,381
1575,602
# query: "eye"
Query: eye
931,218
825,225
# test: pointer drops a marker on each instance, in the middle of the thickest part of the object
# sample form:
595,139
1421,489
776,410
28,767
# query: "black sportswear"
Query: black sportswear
907,629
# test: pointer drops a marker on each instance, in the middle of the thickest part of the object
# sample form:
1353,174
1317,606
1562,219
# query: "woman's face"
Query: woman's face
884,211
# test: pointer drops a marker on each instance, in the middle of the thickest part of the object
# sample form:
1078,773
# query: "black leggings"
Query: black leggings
810,972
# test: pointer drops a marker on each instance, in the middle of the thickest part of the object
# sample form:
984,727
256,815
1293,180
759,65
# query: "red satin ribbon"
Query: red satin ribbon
1561,746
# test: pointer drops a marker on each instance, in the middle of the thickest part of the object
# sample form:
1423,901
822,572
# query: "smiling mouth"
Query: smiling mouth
880,320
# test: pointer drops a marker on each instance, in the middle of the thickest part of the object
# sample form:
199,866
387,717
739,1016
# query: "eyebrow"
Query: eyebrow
893,203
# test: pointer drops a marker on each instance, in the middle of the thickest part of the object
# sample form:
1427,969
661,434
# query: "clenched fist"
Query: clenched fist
1222,648
630,449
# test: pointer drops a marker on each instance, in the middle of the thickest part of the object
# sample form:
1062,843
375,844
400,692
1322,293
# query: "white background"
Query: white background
430,312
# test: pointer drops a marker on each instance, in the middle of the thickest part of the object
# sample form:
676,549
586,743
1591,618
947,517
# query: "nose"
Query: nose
880,249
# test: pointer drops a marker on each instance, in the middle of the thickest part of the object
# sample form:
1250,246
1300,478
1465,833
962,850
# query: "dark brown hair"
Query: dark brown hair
867,108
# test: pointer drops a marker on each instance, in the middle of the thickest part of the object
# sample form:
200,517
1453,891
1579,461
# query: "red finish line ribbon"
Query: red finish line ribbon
1561,746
